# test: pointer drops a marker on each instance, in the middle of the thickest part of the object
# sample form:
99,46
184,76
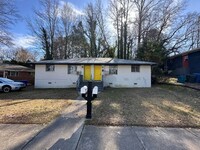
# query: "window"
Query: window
13,73
185,61
72,69
112,69
31,73
50,67
135,68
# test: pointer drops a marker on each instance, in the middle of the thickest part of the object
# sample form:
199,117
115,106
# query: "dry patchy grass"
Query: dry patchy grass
162,105
34,106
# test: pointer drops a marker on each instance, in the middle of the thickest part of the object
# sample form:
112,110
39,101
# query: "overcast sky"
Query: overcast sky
25,7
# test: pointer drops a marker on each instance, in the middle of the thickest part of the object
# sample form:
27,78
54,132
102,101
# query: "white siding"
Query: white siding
59,78
126,78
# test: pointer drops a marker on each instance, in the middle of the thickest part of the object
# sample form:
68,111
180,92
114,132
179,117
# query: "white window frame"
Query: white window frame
72,69
135,68
113,69
32,73
13,73
50,67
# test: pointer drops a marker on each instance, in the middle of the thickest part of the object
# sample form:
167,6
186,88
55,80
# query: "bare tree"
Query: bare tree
95,29
62,34
68,19
198,32
91,29
44,25
120,12
114,15
24,55
145,18
8,16
166,16
104,43
20,54
79,42
193,30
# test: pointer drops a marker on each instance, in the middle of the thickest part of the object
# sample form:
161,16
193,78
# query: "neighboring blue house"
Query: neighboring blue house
184,63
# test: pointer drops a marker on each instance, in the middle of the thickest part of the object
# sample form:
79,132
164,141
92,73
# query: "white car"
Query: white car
7,85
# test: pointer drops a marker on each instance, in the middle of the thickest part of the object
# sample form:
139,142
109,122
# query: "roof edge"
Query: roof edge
186,52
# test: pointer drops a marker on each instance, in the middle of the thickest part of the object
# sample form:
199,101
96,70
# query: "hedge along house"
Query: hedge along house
104,72
184,63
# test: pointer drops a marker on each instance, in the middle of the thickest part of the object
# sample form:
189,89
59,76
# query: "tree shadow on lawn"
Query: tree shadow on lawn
13,103
31,93
147,107
30,118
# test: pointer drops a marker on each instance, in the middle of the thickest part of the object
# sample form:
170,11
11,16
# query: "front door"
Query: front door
97,72
87,72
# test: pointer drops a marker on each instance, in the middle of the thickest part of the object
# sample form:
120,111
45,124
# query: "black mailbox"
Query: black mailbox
89,94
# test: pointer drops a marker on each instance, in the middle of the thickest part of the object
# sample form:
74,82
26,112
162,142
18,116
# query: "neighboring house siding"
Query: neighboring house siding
176,64
17,72
59,78
194,62
1,73
126,78
22,75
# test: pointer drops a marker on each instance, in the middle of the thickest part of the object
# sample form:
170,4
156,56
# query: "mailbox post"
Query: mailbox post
89,94
89,101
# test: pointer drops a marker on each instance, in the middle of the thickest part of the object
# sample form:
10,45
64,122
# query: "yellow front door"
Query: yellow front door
97,72
87,72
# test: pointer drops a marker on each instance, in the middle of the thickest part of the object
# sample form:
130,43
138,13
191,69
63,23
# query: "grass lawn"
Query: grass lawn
34,106
161,105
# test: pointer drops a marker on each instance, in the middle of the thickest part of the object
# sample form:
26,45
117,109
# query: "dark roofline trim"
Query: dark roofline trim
94,61
185,53
108,64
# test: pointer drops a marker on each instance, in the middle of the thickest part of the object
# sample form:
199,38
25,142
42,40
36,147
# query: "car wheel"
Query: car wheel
6,89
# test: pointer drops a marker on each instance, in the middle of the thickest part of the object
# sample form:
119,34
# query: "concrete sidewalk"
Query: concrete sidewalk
138,138
15,136
70,134
63,134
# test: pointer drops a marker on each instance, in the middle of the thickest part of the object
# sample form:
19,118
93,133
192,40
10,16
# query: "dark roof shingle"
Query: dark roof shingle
101,61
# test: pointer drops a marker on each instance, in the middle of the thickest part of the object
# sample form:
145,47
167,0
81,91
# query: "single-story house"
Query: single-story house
17,72
104,72
185,63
